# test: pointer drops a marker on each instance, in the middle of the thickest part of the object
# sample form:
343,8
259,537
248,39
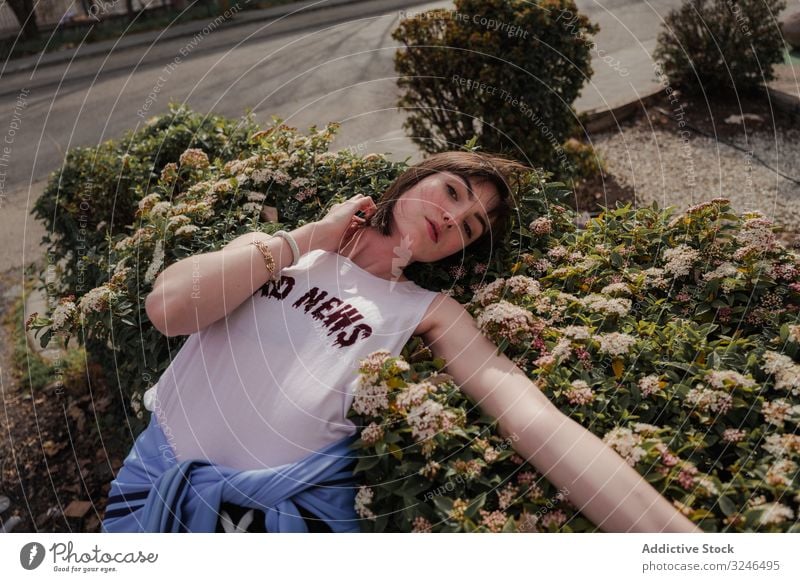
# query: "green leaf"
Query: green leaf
726,505
366,463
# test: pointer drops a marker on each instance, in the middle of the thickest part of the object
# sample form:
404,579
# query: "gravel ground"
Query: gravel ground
683,170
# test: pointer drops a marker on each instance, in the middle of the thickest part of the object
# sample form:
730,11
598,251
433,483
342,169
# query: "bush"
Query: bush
197,206
674,340
507,72
95,192
709,46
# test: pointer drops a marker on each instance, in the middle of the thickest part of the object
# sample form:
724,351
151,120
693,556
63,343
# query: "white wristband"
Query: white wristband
292,243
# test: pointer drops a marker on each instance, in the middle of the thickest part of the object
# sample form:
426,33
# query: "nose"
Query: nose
448,220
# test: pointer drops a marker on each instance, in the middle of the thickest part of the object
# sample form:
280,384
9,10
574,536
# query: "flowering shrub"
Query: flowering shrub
432,462
674,339
94,195
198,204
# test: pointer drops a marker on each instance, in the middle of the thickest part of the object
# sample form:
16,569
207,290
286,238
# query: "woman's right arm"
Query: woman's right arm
198,290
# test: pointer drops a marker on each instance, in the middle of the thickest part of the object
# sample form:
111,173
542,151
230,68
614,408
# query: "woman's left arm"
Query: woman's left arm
608,491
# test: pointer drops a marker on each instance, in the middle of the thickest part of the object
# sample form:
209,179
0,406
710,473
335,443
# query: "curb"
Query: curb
149,37
598,119
786,102
601,119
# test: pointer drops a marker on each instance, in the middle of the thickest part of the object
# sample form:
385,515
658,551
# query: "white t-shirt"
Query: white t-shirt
273,381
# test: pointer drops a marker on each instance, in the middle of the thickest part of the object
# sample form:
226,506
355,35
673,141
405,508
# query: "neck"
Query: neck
377,254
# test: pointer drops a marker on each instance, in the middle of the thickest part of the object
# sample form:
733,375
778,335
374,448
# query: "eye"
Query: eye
468,229
452,192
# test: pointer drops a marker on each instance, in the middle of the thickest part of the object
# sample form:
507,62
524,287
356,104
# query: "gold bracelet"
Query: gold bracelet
269,261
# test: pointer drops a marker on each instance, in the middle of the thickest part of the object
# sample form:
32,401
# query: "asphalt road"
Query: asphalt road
329,65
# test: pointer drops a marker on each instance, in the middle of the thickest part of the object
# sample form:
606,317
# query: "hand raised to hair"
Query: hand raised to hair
341,222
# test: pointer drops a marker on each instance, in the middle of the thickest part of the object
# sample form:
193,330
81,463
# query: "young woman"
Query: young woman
249,429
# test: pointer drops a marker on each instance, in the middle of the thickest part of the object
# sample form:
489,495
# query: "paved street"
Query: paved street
333,64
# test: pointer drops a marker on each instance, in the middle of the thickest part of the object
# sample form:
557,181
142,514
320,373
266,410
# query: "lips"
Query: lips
432,232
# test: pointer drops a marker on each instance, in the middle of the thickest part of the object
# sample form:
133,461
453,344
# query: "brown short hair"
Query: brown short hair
497,169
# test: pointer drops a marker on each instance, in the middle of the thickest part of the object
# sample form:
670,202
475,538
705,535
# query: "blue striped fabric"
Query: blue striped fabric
154,493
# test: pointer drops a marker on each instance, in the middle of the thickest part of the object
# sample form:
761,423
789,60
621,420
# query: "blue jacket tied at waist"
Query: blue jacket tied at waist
154,493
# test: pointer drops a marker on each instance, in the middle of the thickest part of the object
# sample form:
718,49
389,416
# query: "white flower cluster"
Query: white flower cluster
251,208
235,167
261,176
178,220
505,319
194,158
649,385
725,379
733,435
577,264
160,209
794,334
563,349
786,373
654,277
645,429
370,399
579,393
756,233
187,230
324,157
541,225
680,259
778,411
781,472
626,443
725,270
708,400
373,363
611,305
146,203
363,499
63,314
427,419
489,293
577,332
96,300
782,444
221,187
612,288
415,394
557,253
707,204
522,285
773,513
157,263
372,433
705,486
615,343
141,235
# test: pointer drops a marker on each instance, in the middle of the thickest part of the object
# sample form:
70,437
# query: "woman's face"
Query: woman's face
442,214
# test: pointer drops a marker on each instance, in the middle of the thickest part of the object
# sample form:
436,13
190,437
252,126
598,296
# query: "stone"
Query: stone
77,509
738,119
10,524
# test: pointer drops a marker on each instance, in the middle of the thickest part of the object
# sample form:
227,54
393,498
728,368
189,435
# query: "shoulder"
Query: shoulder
441,309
